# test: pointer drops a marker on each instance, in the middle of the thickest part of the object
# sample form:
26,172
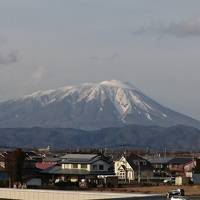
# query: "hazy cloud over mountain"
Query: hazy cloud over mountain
184,28
113,57
10,58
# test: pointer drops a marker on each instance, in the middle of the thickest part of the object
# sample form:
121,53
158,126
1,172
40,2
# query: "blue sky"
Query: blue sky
152,43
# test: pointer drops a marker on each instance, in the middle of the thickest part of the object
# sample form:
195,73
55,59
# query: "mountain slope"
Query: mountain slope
133,136
89,106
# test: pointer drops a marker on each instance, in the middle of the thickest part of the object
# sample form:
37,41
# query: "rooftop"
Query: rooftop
179,160
79,158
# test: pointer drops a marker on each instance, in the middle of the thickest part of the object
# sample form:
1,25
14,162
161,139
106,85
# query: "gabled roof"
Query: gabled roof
123,167
82,158
133,158
79,156
179,160
135,162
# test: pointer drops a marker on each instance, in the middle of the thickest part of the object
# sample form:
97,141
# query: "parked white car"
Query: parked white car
179,198
176,193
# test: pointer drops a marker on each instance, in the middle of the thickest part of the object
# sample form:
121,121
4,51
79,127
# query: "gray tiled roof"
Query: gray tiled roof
79,158
180,160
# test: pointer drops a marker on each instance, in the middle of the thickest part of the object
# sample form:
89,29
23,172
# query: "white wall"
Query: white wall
70,166
119,163
25,194
89,166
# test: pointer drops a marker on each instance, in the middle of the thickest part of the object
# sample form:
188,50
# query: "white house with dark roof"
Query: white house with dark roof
75,167
87,162
123,170
131,167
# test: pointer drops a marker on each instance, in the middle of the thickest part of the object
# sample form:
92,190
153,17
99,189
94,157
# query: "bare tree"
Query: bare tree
14,164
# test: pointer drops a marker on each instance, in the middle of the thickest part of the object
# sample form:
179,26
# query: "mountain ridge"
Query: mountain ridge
178,137
89,106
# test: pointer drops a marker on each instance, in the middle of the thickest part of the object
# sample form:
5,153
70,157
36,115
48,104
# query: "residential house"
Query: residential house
76,167
181,166
132,167
159,165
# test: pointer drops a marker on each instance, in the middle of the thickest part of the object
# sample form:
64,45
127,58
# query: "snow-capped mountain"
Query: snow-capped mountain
89,106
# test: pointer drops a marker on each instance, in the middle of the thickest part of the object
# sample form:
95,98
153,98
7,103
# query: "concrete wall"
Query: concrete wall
25,194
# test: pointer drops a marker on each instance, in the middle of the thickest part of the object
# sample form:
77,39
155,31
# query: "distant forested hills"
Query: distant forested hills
134,136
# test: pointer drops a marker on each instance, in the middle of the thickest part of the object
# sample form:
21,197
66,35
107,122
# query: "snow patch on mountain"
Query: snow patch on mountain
88,106
124,96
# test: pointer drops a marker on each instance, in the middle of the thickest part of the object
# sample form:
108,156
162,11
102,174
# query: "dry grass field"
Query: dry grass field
189,190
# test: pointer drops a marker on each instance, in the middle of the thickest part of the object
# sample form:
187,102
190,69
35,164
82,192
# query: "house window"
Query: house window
83,166
75,166
101,167
94,167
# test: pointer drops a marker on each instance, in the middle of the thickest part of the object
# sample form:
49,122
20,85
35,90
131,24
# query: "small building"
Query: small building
159,165
181,166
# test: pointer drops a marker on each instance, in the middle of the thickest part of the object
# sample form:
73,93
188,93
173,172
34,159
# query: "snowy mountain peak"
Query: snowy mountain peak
118,84
89,106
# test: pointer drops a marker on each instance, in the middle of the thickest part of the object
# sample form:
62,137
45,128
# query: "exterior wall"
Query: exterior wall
188,174
182,169
2,164
196,178
121,162
70,166
105,165
58,195
89,167
121,173
176,168
190,166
